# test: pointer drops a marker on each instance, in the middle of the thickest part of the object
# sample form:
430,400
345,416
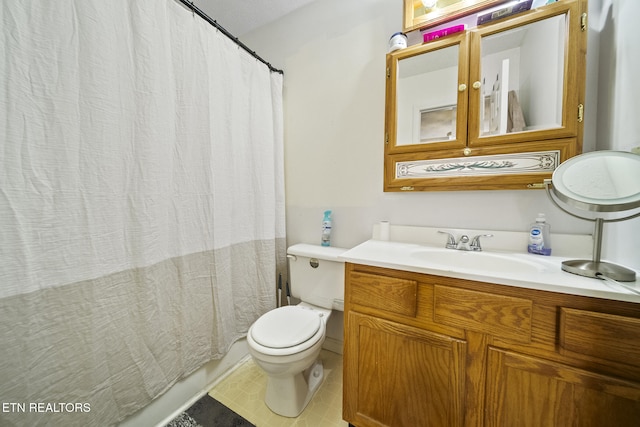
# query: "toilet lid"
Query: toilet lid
285,327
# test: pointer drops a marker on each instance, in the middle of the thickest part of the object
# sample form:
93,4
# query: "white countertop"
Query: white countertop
538,272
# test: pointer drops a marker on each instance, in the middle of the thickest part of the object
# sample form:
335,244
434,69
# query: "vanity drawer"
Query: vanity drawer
390,294
499,315
605,336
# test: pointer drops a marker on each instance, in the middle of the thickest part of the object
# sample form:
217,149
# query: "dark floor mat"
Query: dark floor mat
208,412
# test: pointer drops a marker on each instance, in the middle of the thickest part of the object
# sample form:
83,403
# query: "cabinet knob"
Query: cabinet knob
462,87
477,85
466,151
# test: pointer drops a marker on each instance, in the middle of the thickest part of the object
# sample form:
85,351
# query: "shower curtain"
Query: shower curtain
141,203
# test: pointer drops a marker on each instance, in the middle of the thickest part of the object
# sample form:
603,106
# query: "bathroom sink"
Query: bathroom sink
477,261
503,264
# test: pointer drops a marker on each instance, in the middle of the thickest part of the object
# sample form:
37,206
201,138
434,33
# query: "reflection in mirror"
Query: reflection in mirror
438,124
522,77
427,97
599,181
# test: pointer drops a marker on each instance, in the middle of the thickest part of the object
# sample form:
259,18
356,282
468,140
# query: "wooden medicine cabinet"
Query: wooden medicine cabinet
496,107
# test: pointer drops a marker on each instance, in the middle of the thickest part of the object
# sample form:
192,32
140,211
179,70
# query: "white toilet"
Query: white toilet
286,341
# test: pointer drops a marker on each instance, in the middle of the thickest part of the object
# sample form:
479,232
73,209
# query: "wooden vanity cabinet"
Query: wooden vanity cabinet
424,350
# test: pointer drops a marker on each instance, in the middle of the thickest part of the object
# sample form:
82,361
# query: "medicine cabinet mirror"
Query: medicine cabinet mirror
511,56
499,106
428,99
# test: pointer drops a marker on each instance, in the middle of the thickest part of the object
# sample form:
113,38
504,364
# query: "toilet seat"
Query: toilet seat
286,330
285,327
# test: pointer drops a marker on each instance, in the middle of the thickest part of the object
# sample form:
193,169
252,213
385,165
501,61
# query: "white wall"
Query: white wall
617,106
333,56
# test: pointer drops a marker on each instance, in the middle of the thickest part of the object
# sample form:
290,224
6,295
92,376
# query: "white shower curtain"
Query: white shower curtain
141,203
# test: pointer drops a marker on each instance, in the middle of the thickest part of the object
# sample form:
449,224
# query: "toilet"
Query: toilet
285,342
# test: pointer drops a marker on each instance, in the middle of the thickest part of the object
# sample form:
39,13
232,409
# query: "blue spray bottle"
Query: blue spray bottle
326,229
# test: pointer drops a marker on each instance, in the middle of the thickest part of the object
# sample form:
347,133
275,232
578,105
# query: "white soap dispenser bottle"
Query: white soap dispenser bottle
540,237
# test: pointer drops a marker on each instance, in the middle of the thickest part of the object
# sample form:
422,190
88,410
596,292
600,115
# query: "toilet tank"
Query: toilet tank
316,275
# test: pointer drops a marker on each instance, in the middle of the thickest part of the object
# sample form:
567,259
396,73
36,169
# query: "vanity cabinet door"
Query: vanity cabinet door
396,375
529,391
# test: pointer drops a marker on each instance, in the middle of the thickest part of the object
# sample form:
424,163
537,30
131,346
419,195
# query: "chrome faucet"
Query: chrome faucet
463,244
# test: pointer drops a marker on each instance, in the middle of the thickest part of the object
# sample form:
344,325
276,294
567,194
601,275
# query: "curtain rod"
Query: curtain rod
224,31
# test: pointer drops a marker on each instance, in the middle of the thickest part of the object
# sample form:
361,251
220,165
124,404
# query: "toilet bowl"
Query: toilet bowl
286,342
289,356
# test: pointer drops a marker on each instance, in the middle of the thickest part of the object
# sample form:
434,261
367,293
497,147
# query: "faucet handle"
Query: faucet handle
475,242
451,240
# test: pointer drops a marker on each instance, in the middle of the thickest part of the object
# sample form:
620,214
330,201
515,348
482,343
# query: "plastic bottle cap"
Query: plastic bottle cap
541,218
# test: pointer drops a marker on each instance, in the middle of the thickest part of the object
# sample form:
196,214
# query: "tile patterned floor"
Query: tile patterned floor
243,392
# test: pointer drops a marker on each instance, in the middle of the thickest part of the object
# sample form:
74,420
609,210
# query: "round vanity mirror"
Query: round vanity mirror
599,181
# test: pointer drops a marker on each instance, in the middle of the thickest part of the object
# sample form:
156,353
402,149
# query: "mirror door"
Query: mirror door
430,97
520,86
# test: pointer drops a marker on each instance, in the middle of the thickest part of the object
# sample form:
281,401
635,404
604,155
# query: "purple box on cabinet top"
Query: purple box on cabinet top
433,35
